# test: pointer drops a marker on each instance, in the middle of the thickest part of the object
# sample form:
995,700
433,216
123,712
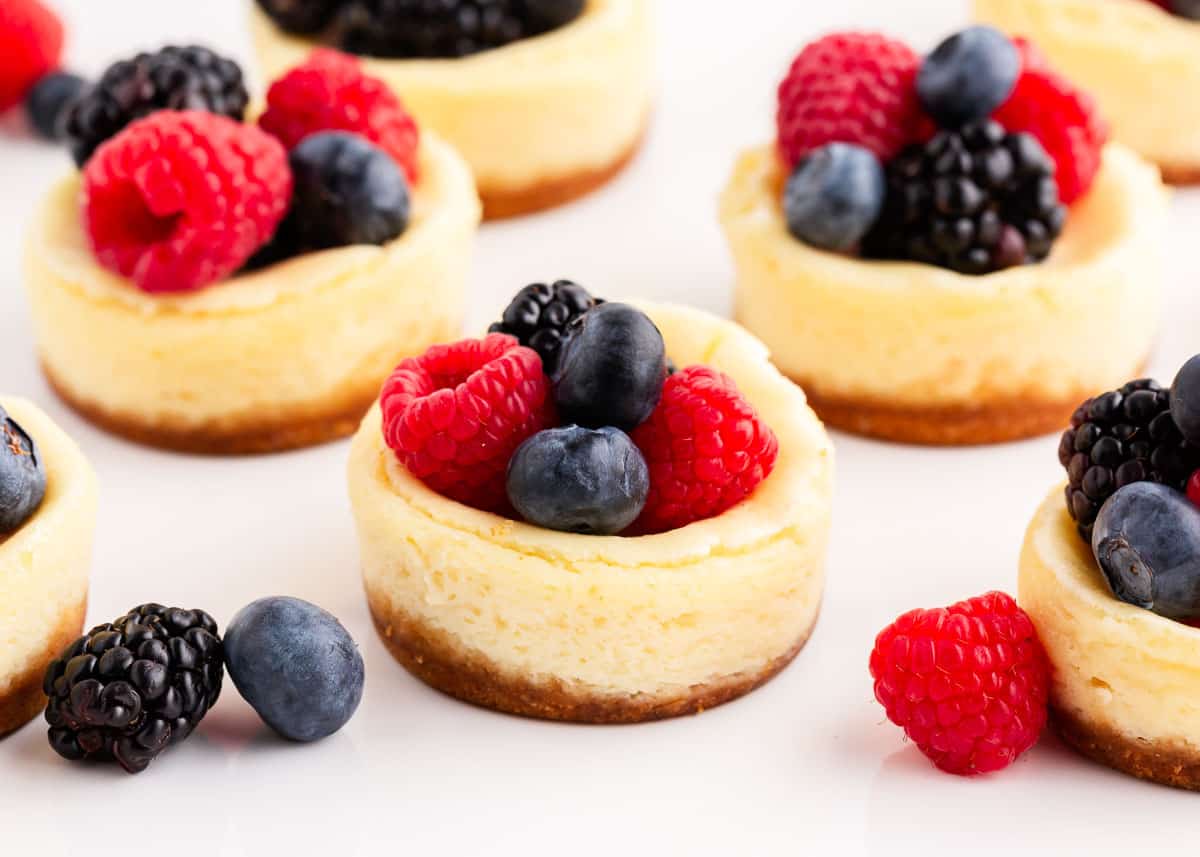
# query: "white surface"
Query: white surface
802,765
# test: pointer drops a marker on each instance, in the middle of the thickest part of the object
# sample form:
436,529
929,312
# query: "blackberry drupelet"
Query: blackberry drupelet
174,78
539,314
976,200
1118,438
300,16
444,28
128,689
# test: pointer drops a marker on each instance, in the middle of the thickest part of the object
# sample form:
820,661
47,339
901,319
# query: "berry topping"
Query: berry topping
330,92
1193,488
302,17
976,200
1063,119
967,683
1147,543
296,666
455,415
578,480
1117,439
1185,8
834,196
611,368
180,200
127,690
346,191
706,447
447,28
31,40
968,76
539,316
47,103
849,88
189,78
1185,401
22,476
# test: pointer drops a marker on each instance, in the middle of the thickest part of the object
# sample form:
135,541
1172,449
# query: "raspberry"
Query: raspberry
179,200
455,415
850,88
1064,119
330,92
31,40
967,683
706,448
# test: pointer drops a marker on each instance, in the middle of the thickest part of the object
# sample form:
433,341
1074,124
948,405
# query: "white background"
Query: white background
804,765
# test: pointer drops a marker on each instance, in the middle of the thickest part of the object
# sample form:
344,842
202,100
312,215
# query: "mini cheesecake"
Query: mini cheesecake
282,357
1126,681
605,629
44,569
1140,62
542,120
921,354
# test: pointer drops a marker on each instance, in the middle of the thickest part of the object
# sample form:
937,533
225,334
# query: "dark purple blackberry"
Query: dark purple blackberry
128,689
976,200
539,314
300,16
174,78
445,28
1118,438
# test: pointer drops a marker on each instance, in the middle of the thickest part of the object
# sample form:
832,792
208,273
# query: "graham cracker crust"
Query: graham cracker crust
1180,174
1169,763
501,203
436,659
24,699
995,421
319,423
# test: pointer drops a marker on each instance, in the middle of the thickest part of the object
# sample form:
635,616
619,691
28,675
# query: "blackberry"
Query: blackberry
174,78
1118,438
445,28
128,689
539,314
975,200
300,16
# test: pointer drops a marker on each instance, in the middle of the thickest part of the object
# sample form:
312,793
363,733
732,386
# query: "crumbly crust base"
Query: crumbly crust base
1180,174
1166,762
502,203
319,422
445,665
24,700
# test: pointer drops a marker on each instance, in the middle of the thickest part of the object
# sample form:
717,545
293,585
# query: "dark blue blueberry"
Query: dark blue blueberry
550,14
347,191
1185,400
579,480
1147,541
968,76
296,665
834,196
611,368
1186,9
22,476
47,101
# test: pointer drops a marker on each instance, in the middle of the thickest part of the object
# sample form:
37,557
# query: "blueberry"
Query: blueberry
1186,9
579,480
968,76
296,665
347,191
22,476
550,14
46,103
611,368
1147,542
1185,400
833,197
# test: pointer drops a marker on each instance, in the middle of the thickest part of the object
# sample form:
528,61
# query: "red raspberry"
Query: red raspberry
850,88
330,92
1064,119
455,415
967,683
1193,488
178,200
31,40
706,448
